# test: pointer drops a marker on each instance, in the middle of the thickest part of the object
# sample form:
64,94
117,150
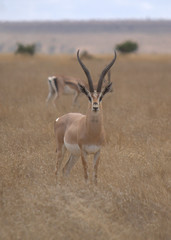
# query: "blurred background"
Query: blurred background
57,26
38,39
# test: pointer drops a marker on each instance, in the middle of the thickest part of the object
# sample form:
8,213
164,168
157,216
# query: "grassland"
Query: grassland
133,196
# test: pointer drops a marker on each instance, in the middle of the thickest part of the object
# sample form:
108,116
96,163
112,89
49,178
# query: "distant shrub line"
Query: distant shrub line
25,49
125,47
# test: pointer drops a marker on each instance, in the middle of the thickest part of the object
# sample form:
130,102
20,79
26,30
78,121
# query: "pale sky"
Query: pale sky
16,10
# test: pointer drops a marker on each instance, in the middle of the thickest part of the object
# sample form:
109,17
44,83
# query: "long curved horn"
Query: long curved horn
109,76
104,73
86,72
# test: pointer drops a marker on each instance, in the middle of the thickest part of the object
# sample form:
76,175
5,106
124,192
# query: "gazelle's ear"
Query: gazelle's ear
106,90
84,90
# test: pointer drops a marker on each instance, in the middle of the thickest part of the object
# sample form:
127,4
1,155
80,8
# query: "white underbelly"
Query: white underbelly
75,149
72,148
68,90
91,148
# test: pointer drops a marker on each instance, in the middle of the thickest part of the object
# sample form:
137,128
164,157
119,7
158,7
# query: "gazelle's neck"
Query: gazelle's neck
94,120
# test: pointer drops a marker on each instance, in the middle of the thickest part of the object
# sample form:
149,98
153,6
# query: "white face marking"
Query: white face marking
95,103
95,93
57,119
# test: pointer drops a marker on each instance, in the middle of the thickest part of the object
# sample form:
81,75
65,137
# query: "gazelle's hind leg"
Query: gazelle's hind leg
50,95
51,91
76,95
60,155
70,163
56,95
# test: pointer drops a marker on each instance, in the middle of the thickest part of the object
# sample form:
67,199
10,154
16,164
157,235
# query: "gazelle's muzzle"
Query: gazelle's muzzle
95,107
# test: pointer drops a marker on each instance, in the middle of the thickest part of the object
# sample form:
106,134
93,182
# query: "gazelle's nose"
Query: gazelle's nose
95,107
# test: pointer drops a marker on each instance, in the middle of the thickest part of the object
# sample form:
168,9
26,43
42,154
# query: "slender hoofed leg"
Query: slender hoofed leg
70,163
76,95
50,94
85,166
60,156
56,95
95,165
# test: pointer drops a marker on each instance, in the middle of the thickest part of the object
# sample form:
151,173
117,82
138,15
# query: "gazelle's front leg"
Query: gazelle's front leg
95,165
85,166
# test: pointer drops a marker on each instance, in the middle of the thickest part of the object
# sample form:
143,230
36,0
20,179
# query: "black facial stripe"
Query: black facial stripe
89,98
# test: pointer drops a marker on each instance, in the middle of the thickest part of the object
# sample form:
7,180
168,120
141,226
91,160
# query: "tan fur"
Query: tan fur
66,86
83,134
84,130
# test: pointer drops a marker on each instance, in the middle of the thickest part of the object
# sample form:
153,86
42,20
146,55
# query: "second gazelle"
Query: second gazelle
83,134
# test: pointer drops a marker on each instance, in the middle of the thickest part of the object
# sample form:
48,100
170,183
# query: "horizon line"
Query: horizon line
89,20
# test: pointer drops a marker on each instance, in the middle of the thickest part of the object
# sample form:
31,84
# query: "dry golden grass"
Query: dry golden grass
133,196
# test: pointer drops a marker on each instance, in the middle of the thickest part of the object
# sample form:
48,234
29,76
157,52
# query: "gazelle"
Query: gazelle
59,85
83,134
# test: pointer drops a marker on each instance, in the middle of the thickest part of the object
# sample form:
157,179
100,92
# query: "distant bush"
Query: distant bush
127,47
85,55
26,49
